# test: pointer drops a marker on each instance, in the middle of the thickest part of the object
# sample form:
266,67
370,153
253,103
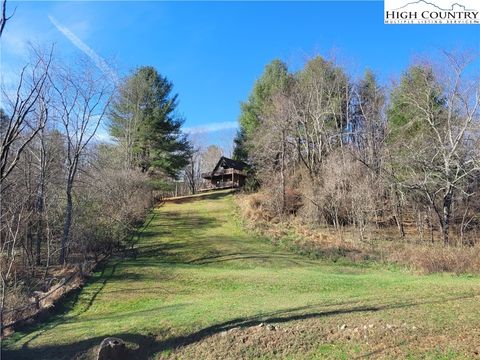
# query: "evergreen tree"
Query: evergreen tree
240,150
145,123
418,88
273,80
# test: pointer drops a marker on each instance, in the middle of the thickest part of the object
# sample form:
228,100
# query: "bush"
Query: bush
431,259
112,212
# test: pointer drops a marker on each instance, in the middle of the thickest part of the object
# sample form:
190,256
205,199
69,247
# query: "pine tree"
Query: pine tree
145,123
273,80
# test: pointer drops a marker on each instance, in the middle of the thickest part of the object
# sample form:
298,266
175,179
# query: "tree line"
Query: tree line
344,152
66,196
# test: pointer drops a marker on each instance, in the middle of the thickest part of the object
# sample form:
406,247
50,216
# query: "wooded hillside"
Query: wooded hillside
350,153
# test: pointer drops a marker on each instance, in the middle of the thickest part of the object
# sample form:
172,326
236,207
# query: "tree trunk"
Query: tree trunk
282,173
67,224
398,212
447,212
39,241
40,201
39,237
2,306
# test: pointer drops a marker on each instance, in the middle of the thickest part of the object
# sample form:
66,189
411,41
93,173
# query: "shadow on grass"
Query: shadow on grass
81,300
213,195
184,224
149,345
264,257
206,251
58,313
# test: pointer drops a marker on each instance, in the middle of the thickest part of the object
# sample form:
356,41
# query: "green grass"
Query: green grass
198,274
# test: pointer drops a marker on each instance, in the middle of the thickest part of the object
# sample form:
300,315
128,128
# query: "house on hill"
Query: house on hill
228,173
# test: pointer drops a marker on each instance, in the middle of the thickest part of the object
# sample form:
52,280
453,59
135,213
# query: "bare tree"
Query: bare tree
52,171
320,101
24,117
83,96
202,160
439,158
21,125
210,157
275,148
193,170
11,225
3,16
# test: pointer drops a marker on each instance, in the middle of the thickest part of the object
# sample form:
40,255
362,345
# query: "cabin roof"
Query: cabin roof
223,166
227,163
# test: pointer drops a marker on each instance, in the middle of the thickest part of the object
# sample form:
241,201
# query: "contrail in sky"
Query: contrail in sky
97,59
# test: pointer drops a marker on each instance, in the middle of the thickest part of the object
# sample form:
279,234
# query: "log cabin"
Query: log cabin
228,173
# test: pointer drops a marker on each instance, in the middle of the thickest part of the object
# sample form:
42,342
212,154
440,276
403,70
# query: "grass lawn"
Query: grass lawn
201,287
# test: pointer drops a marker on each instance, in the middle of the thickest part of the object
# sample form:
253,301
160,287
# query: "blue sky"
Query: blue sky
214,51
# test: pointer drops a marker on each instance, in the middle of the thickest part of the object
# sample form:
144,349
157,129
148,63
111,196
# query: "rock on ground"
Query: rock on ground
112,349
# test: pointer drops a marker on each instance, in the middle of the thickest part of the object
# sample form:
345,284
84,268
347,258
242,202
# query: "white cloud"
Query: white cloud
97,59
103,137
207,128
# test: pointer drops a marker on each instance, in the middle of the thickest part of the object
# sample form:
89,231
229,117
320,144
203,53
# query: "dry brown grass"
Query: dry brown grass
22,308
437,258
383,244
254,207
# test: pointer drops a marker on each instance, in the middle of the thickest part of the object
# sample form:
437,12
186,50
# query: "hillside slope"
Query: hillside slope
203,288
